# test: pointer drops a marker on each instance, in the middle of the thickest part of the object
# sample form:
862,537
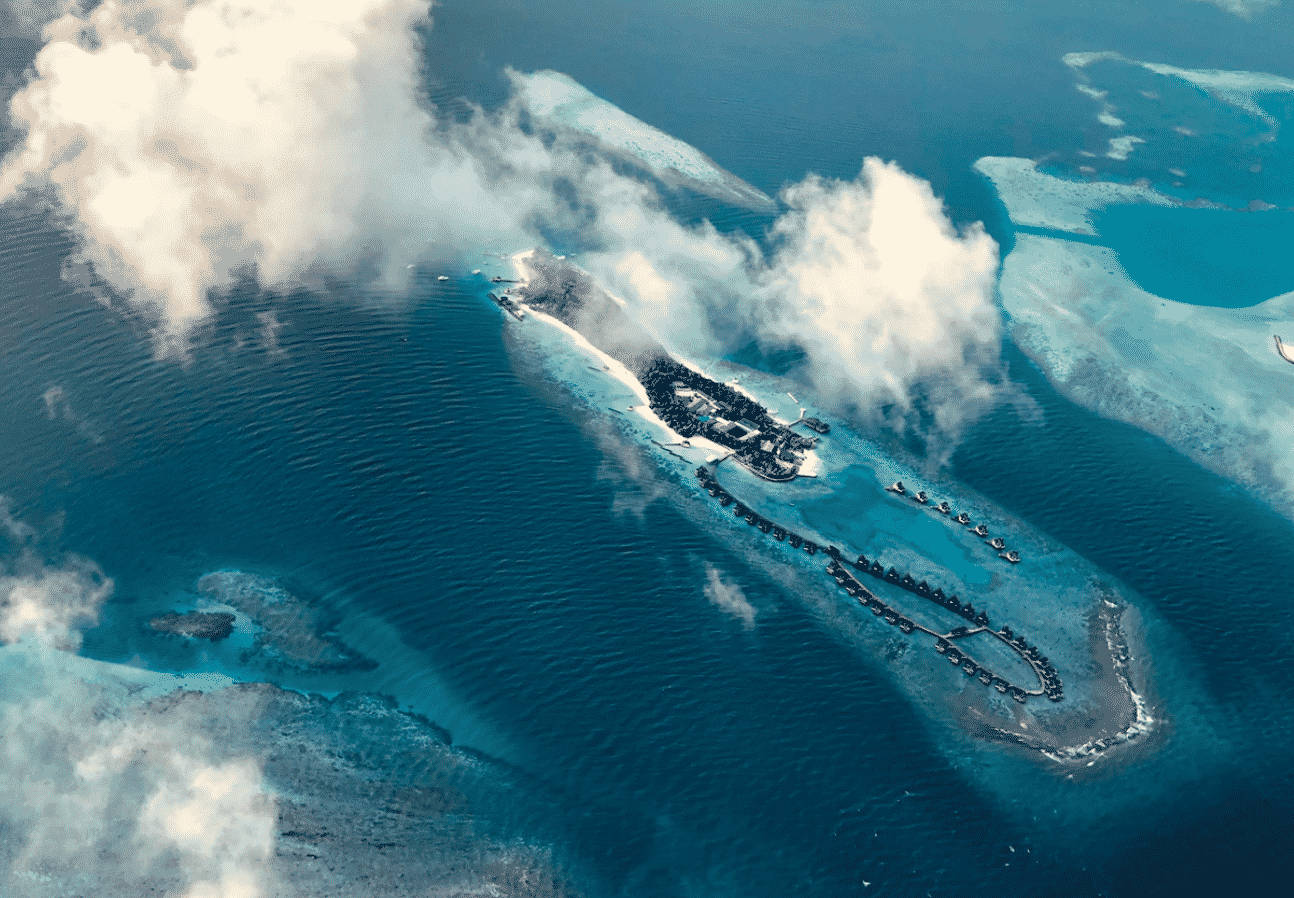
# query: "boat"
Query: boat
896,487
442,277
1286,353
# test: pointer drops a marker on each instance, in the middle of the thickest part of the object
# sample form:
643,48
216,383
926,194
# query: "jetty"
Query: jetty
505,302
942,508
952,645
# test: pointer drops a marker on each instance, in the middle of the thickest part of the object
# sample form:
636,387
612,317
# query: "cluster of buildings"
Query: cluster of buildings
1052,686
694,405
996,543
944,642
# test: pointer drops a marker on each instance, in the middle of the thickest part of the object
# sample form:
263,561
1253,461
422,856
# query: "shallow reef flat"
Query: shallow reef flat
316,796
1209,381
558,101
291,632
1035,199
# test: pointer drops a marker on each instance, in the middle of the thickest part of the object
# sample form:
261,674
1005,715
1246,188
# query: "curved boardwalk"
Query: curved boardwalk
947,644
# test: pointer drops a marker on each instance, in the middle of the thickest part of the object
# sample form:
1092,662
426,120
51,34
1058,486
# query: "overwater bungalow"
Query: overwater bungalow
896,487
998,543
980,530
943,508
921,497
962,518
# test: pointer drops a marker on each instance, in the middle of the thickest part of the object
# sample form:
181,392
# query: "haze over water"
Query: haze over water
532,582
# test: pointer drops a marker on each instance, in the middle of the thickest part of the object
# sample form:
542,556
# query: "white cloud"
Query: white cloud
728,597
869,277
187,142
103,794
886,296
58,407
48,604
1245,9
26,18
112,798
16,530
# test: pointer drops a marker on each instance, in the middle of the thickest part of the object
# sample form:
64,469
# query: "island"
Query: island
689,403
210,625
1073,690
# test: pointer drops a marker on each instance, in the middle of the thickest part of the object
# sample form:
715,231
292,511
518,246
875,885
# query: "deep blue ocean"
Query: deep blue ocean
537,590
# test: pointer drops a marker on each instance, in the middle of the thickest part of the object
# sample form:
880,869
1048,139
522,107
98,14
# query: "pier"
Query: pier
922,498
951,645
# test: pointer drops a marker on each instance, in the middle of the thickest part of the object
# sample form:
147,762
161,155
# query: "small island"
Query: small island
210,625
685,400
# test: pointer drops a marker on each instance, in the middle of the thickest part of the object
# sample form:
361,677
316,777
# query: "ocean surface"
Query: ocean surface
537,586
